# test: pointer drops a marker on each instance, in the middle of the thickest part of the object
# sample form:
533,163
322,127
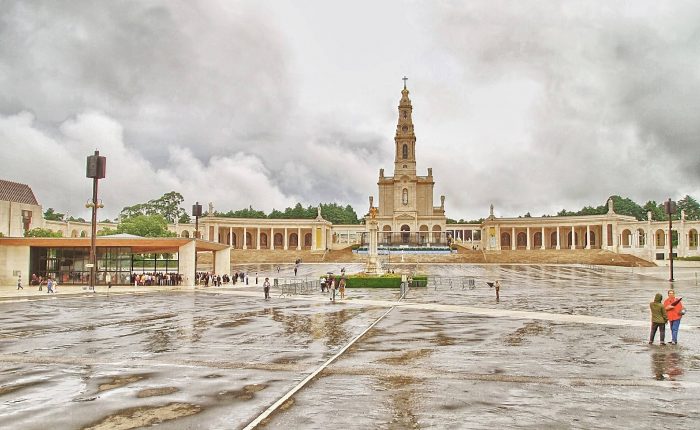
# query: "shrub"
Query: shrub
691,258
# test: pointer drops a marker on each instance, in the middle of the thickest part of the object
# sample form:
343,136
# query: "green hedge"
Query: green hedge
692,258
383,281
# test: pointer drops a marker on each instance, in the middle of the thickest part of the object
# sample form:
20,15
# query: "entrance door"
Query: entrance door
405,233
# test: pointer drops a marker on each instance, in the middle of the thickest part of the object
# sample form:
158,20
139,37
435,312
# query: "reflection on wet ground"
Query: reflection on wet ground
209,359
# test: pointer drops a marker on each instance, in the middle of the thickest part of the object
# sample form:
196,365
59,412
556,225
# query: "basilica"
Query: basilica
405,213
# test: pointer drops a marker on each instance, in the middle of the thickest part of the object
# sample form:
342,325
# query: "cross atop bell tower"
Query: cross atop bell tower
405,139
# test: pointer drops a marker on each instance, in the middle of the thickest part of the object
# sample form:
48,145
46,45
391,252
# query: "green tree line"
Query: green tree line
626,206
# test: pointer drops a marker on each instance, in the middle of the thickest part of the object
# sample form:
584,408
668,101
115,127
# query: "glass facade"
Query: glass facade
69,265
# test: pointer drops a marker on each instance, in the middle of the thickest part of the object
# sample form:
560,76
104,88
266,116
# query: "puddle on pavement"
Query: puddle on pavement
120,381
154,392
144,416
7,389
245,393
322,325
531,328
402,401
407,357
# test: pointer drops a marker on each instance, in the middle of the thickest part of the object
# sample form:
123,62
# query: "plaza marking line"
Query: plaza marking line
253,424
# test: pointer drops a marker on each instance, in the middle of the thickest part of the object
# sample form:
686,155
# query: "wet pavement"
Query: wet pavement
218,357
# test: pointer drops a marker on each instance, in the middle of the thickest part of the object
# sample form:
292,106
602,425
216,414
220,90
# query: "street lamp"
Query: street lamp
196,213
96,169
670,209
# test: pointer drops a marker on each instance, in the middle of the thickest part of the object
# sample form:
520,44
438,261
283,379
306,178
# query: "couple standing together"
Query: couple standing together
671,310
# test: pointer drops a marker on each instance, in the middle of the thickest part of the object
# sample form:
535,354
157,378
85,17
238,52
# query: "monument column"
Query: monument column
230,237
298,238
272,238
558,239
286,239
512,239
245,238
257,243
216,233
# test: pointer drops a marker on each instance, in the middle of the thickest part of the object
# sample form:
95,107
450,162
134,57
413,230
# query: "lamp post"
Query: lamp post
96,169
670,209
196,213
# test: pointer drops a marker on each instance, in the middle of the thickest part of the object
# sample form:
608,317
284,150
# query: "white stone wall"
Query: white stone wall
11,218
14,258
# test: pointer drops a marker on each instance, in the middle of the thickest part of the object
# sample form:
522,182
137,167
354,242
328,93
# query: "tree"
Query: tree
625,206
691,207
167,206
243,213
657,211
51,215
72,218
42,232
107,231
145,226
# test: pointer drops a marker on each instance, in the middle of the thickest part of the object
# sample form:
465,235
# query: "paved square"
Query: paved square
564,348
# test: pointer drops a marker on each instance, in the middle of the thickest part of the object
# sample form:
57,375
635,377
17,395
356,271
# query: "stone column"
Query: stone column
573,238
299,238
372,254
528,239
558,239
258,241
543,240
245,238
588,236
216,233
615,238
286,239
230,237
222,261
513,240
272,238
186,258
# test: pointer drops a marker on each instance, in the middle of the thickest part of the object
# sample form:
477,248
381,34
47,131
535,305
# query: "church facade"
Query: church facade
405,209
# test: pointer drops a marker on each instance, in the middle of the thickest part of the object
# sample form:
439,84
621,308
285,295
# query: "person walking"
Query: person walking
19,283
341,287
49,286
266,288
658,320
497,286
675,311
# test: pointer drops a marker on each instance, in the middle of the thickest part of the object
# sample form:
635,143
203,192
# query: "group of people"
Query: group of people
670,311
206,278
334,284
151,279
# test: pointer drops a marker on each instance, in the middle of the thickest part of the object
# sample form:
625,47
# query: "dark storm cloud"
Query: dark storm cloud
183,73
616,100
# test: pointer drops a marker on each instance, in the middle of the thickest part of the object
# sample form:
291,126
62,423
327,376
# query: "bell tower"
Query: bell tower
405,139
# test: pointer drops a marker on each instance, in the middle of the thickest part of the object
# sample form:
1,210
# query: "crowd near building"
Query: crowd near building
405,212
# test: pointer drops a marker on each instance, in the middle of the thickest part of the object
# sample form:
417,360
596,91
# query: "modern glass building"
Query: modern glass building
69,265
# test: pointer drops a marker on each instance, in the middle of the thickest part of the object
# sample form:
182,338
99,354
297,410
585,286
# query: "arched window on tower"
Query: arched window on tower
405,151
404,196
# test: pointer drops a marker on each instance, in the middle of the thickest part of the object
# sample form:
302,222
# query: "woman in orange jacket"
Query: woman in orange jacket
674,309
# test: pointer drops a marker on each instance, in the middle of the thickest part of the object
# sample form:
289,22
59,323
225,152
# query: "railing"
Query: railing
293,286
451,283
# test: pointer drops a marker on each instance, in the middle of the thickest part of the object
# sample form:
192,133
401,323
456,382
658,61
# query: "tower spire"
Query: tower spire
405,139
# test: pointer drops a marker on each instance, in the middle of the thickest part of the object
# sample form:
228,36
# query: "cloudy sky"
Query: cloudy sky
532,106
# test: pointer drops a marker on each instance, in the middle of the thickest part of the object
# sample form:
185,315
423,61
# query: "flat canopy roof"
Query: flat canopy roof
137,244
